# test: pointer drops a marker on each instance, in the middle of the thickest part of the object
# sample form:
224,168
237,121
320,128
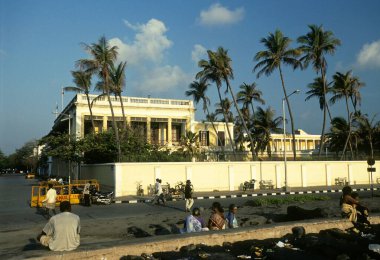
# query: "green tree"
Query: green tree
344,87
218,69
118,85
82,80
316,90
102,59
337,136
189,144
248,94
367,129
264,125
197,89
277,51
315,45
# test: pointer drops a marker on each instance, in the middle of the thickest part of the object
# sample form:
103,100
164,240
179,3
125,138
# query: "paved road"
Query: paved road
15,193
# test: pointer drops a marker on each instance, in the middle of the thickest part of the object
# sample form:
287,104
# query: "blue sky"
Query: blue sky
162,42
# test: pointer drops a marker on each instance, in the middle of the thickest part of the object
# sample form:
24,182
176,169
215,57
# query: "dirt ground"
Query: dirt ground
21,239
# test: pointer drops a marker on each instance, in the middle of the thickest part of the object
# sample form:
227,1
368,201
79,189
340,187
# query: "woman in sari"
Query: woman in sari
217,220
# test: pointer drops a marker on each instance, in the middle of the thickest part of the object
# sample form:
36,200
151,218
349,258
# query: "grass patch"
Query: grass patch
285,200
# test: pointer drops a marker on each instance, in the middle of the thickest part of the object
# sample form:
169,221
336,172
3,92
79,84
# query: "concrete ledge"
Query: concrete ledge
115,250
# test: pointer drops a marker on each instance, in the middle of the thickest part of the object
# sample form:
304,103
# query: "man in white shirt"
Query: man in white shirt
62,232
50,199
86,194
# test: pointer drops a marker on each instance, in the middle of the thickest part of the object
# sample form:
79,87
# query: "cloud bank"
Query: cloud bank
198,53
220,15
369,55
145,55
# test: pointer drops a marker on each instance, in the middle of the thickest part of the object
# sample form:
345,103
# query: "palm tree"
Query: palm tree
103,57
248,94
265,124
343,88
367,129
314,45
339,130
197,90
317,91
278,52
118,85
219,69
82,81
224,108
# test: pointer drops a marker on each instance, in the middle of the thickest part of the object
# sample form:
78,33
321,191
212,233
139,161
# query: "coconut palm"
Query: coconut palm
343,85
219,69
197,90
315,45
82,81
316,90
367,129
339,131
248,94
103,57
224,108
277,53
117,86
265,124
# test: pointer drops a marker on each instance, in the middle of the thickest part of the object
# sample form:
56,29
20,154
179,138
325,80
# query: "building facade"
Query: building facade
162,121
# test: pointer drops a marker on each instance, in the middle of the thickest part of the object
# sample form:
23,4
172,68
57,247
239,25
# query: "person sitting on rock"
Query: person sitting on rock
194,222
231,217
348,204
217,220
362,211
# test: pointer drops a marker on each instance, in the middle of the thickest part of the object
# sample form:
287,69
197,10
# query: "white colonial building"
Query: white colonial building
163,121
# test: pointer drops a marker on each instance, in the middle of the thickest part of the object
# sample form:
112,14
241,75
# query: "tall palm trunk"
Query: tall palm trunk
290,114
226,122
242,119
325,107
349,132
123,112
91,117
106,80
213,126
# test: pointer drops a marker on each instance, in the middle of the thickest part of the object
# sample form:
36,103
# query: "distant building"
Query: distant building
162,121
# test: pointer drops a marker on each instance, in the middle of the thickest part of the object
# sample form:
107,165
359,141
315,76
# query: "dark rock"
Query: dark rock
298,213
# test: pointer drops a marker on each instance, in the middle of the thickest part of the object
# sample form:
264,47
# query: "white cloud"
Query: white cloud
149,44
198,52
145,55
163,78
220,15
369,55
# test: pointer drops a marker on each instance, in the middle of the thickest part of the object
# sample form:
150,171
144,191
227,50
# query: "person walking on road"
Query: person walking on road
49,201
86,194
188,196
159,192
62,232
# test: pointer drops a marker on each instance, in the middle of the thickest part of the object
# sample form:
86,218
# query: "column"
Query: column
104,123
170,131
148,130
128,118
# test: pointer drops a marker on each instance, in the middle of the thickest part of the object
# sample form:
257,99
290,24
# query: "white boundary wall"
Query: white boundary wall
226,176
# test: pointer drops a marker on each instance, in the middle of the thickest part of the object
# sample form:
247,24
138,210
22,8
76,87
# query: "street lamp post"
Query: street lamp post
284,124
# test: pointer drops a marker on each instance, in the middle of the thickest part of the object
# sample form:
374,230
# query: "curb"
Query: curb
230,196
